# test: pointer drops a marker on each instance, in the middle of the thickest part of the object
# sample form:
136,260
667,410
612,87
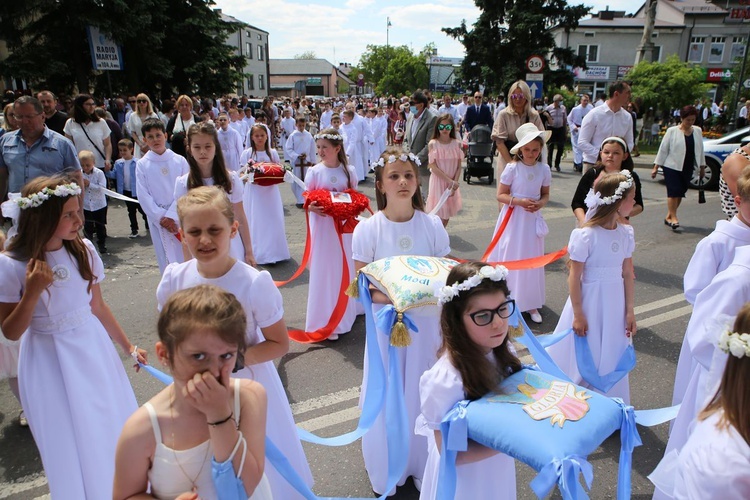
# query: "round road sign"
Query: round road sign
535,64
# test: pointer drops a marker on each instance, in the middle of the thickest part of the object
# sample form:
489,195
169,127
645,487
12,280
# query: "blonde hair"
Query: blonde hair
149,108
202,196
743,184
182,98
86,155
607,186
520,84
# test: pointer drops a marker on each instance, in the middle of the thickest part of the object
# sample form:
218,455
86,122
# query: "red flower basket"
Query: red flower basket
339,211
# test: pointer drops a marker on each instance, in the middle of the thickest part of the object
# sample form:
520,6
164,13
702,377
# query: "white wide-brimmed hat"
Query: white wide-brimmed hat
527,133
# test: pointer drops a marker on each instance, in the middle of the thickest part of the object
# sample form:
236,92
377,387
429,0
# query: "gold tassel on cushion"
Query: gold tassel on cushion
353,289
515,331
399,333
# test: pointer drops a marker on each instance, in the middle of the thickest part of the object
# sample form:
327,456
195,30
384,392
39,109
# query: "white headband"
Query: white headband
616,139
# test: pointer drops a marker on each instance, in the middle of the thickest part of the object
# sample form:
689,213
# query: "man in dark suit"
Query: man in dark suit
419,128
478,113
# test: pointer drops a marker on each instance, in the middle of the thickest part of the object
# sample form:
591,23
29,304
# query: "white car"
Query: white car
716,151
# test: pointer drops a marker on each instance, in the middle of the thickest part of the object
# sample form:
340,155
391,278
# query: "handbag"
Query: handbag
701,192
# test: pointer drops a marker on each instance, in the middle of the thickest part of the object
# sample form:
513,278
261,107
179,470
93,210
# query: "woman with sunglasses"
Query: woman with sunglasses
445,156
143,111
518,112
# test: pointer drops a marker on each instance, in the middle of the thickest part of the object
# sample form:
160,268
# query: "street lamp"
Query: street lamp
387,46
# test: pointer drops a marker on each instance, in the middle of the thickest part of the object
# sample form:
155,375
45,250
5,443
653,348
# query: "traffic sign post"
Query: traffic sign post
535,64
535,81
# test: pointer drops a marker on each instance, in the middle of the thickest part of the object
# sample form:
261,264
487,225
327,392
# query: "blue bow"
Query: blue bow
454,430
564,473
387,316
629,439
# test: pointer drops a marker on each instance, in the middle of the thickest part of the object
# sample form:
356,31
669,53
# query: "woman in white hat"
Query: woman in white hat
524,188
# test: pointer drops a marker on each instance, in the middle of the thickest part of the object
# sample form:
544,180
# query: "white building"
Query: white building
252,43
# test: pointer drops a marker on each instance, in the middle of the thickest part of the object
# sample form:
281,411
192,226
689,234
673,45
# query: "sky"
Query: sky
340,31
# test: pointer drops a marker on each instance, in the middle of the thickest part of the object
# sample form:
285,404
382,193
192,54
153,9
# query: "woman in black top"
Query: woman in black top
613,157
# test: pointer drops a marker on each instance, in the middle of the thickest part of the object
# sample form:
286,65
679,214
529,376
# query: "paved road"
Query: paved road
323,380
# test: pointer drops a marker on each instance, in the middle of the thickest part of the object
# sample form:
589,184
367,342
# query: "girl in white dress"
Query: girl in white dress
601,280
207,226
524,185
207,169
715,461
263,205
203,420
74,390
333,174
9,360
400,227
475,357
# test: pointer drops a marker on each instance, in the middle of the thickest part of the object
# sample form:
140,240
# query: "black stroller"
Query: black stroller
481,152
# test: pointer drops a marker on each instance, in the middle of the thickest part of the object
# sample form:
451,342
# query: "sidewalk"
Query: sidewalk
645,160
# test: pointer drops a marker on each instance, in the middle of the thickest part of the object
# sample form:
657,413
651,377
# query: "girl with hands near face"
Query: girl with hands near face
50,298
601,282
524,189
205,423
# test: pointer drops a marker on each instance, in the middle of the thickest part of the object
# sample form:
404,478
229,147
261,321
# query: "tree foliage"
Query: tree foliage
507,32
668,85
167,45
394,70
308,54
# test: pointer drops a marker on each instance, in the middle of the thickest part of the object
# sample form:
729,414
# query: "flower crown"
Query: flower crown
330,137
16,203
736,344
402,157
595,199
447,293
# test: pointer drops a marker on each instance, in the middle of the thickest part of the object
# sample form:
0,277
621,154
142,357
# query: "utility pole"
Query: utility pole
387,47
645,51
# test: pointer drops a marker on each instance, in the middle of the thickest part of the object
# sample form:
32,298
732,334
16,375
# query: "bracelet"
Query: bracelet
134,353
215,424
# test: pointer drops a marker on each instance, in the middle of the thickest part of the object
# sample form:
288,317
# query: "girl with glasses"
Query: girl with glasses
475,357
445,156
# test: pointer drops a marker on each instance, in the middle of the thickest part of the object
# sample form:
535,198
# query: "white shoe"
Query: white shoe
333,336
536,317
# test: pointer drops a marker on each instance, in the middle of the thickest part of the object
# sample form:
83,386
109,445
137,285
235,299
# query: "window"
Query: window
589,34
249,50
696,48
260,52
716,54
589,52
248,34
261,82
738,48
250,82
260,37
656,55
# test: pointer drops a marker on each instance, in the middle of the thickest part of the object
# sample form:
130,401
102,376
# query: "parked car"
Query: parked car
716,151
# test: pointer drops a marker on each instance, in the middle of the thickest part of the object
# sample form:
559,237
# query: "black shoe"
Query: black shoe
102,249
557,167
299,205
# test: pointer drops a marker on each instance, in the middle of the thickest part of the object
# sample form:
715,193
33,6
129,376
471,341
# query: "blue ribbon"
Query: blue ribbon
158,375
650,418
629,439
542,358
387,317
564,473
375,392
454,431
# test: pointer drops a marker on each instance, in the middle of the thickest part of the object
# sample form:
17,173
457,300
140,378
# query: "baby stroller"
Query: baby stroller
479,158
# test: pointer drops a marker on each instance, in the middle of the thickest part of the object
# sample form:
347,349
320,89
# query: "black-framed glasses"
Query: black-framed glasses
485,316
477,97
445,126
142,100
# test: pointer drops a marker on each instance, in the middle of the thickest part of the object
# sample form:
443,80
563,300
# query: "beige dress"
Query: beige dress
505,127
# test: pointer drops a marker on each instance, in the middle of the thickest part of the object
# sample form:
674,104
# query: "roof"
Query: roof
623,22
688,7
230,19
300,67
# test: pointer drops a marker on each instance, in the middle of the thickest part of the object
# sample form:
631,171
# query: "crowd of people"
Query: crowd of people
188,168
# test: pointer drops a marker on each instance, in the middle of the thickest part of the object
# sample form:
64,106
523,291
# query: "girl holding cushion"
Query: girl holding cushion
334,174
601,282
400,227
475,357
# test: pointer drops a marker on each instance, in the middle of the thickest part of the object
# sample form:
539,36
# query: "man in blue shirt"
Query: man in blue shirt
34,150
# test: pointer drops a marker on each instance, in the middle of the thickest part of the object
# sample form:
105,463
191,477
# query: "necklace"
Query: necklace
194,488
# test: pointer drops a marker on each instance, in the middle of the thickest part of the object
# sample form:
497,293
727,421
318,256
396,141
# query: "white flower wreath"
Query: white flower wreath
736,344
447,293
330,137
595,199
402,157
16,202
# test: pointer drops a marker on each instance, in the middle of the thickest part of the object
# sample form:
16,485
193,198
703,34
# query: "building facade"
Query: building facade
712,35
251,43
303,77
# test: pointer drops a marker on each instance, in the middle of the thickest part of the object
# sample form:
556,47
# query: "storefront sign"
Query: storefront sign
623,70
717,75
592,73
314,80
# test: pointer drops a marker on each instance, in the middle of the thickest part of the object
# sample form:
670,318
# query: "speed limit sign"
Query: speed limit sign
535,64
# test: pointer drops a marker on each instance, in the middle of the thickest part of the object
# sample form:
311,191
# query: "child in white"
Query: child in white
601,280
299,151
266,336
287,126
715,461
9,360
231,143
94,200
712,255
260,120
169,445
400,227
352,142
74,390
332,174
155,176
263,205
477,316
524,186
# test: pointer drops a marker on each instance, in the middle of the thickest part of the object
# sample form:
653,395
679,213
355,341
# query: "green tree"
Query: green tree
507,32
667,85
308,54
170,45
393,70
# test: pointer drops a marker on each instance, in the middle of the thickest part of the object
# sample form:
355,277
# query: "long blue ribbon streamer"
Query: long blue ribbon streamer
542,358
629,439
386,318
375,392
455,437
